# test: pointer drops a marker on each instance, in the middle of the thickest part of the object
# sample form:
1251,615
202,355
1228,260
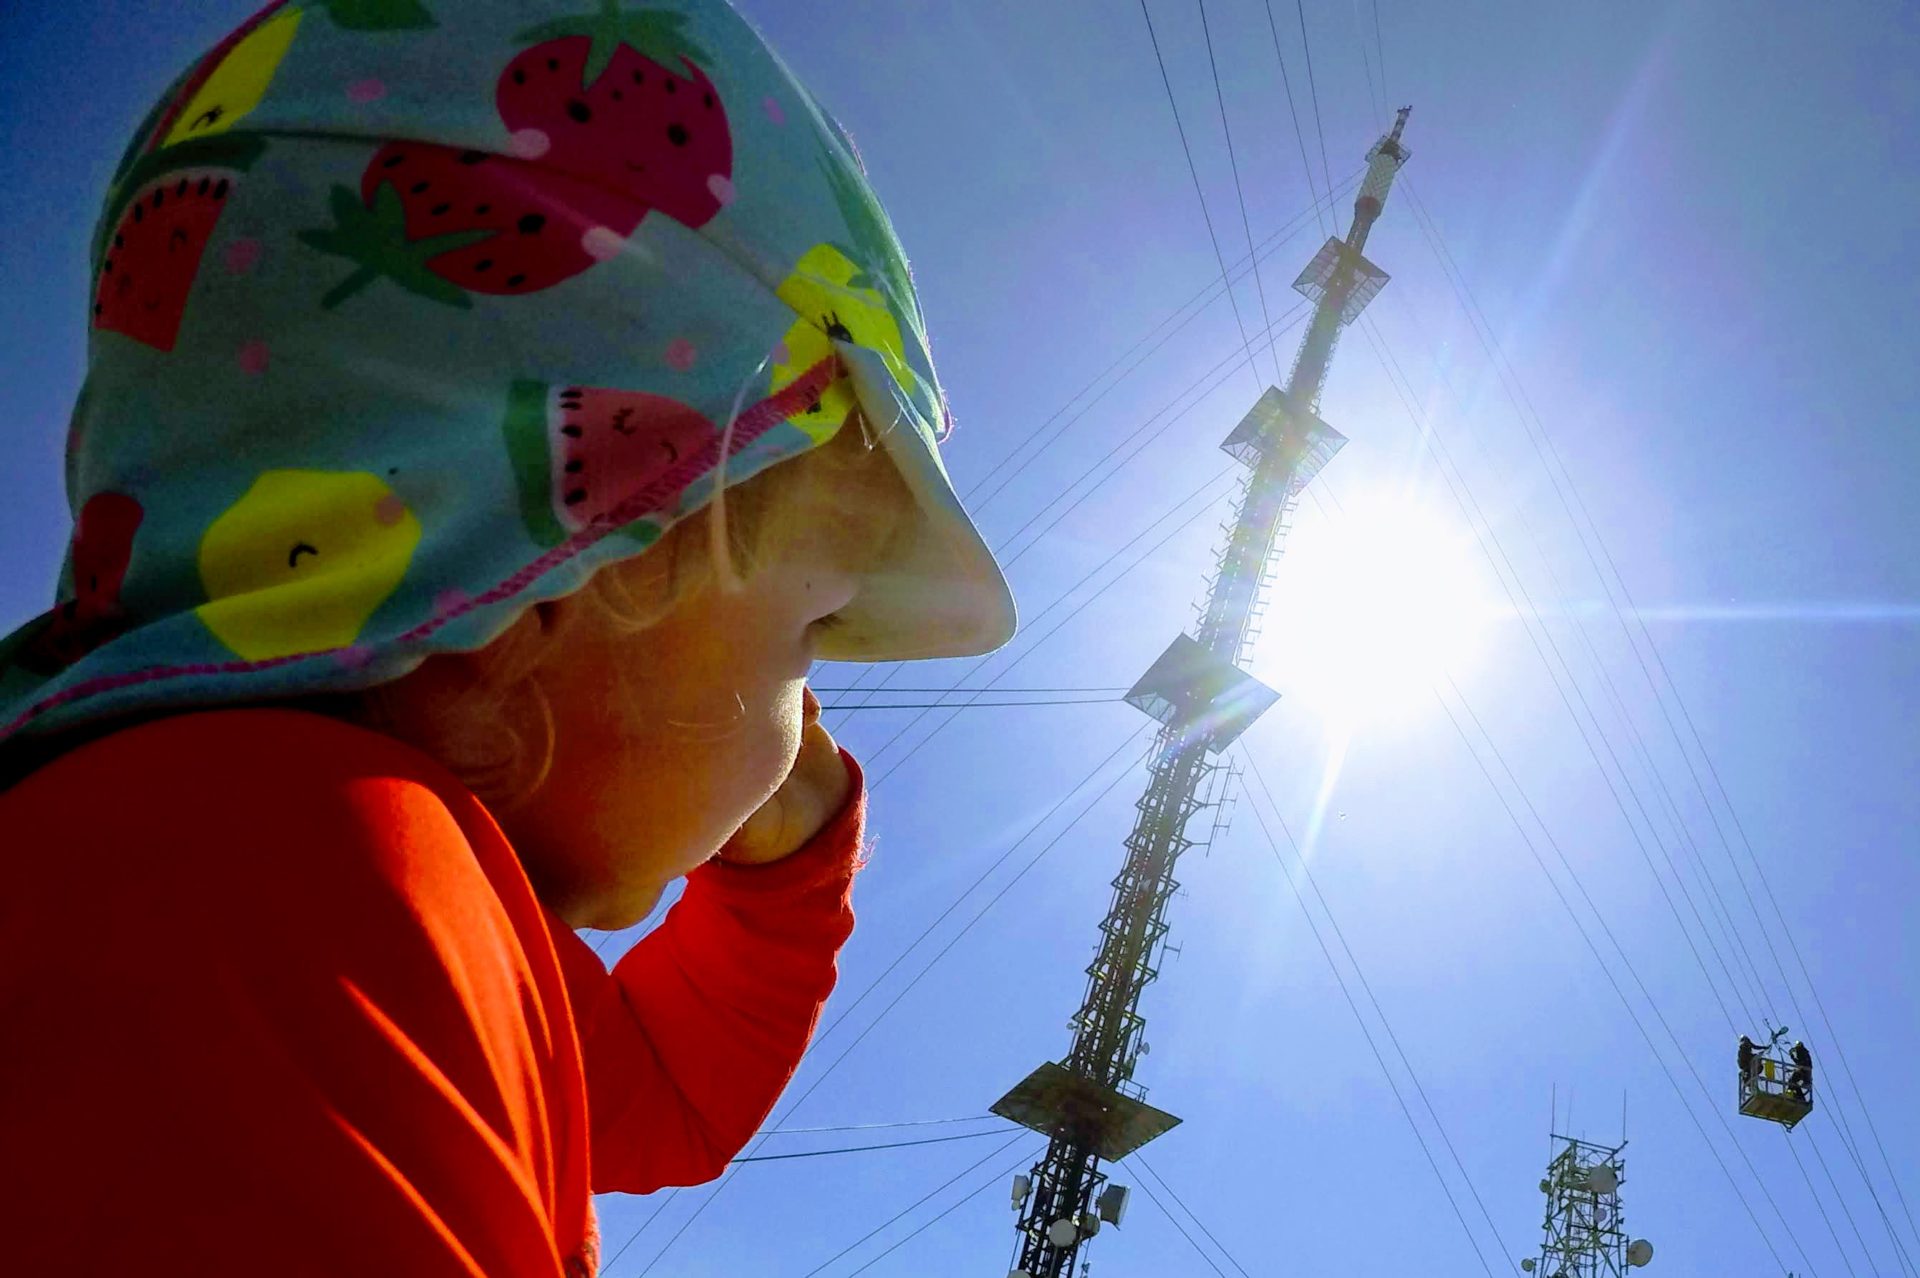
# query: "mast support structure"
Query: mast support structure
1088,1104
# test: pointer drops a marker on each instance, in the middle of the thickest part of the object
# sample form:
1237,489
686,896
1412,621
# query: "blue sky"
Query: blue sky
1688,226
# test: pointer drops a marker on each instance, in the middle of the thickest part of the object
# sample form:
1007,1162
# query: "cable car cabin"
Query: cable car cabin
1773,1090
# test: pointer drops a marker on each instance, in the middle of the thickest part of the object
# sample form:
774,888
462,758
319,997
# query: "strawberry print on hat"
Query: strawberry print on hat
608,115
623,100
444,223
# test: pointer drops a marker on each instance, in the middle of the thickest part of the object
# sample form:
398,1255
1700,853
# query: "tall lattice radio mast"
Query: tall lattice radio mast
1088,1105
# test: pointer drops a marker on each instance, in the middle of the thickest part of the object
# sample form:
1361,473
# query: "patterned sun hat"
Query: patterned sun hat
408,314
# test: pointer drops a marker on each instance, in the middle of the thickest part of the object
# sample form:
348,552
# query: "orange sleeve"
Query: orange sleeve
692,1038
264,1011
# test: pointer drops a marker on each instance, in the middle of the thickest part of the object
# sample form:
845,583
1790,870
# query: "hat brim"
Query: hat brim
939,592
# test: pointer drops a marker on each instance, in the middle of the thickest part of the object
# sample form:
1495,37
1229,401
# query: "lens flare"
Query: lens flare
1371,607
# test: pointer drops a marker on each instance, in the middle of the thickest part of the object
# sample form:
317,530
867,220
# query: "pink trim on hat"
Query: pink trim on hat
752,424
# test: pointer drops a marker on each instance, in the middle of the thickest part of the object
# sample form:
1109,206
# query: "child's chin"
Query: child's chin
631,909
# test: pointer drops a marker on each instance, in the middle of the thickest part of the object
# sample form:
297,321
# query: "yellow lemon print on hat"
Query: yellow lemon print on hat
822,289
236,86
301,561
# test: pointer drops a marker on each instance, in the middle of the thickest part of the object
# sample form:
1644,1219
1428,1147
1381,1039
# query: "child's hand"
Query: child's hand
813,793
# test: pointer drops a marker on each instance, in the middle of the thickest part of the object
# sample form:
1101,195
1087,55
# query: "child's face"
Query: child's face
668,740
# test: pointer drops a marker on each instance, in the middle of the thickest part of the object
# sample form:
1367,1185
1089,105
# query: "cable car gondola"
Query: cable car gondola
1776,1083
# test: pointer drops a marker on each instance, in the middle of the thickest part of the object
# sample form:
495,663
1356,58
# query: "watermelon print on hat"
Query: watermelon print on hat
101,552
579,451
155,255
148,266
370,373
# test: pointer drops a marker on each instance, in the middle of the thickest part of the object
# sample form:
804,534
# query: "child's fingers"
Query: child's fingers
813,792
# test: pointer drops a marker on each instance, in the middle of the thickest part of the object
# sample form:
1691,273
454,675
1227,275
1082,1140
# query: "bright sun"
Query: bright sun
1372,606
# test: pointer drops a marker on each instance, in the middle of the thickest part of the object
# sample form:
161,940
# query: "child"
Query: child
493,408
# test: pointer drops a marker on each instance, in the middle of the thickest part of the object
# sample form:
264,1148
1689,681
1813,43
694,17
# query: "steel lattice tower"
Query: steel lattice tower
1585,1234
1089,1106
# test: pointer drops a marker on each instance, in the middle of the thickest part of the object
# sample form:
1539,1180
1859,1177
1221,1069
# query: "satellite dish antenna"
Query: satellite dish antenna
1603,1178
1062,1232
1546,1186
1527,1264
1022,1186
1639,1252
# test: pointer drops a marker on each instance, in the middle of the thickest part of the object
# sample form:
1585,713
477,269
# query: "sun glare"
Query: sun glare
1371,607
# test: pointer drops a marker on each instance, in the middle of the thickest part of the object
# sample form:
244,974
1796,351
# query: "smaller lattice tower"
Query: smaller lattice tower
1585,1234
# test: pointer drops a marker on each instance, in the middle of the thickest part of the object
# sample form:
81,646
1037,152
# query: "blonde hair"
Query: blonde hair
495,730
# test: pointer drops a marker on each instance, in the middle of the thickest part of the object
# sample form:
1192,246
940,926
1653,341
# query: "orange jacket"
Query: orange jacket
277,997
